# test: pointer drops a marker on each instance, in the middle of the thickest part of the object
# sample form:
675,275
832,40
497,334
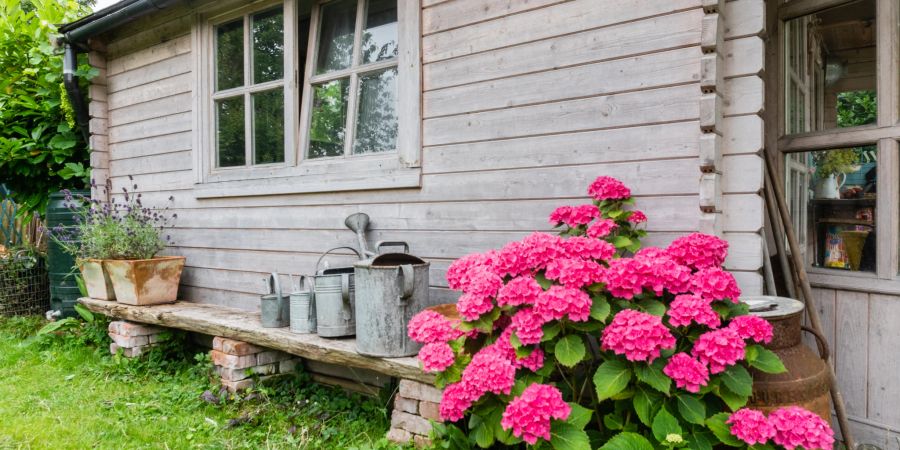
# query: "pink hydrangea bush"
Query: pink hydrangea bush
583,337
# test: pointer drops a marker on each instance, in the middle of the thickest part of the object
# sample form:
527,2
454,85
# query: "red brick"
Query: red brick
409,422
421,441
406,404
129,341
399,436
232,361
130,329
419,391
271,356
233,347
430,410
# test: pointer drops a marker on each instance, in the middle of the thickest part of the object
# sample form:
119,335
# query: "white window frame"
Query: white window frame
298,174
885,134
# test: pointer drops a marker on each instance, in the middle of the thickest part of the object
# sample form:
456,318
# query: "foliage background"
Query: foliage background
41,148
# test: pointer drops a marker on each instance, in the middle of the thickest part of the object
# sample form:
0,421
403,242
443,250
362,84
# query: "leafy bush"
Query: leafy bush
584,340
41,149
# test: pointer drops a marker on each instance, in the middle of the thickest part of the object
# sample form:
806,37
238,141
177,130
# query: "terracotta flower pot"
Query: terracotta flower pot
143,282
96,279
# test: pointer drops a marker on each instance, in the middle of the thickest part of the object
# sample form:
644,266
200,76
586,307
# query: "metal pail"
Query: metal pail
391,288
335,298
303,308
274,307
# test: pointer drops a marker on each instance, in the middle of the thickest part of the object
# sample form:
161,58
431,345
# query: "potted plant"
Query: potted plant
116,245
829,166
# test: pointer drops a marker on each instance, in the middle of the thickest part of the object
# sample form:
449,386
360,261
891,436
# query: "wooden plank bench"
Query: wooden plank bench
245,326
243,336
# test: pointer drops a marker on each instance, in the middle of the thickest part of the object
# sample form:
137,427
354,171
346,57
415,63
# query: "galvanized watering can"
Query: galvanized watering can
335,299
391,288
303,307
274,307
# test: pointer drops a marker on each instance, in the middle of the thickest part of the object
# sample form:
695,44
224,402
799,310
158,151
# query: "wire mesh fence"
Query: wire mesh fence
24,284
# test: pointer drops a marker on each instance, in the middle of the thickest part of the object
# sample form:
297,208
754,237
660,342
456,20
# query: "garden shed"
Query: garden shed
458,125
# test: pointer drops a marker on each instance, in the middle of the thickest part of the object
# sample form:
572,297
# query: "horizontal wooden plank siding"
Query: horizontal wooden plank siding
524,103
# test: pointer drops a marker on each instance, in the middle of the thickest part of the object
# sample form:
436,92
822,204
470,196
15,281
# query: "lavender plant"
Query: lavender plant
118,229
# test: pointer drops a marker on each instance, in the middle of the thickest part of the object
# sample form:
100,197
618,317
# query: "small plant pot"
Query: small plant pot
96,279
142,282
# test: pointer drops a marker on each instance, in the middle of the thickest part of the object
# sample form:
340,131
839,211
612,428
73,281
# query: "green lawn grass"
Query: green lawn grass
62,393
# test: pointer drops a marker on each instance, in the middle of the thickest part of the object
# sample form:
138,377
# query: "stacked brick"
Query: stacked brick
240,364
415,405
133,339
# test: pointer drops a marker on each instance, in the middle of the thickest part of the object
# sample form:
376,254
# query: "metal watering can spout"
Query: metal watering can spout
359,223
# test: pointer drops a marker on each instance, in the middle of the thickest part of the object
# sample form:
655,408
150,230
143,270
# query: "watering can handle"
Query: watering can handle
409,282
380,244
274,284
331,250
345,296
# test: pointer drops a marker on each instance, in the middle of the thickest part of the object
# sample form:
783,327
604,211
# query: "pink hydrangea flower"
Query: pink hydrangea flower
574,273
625,277
471,306
687,308
490,371
532,362
719,349
601,228
483,282
688,373
699,251
527,325
637,217
540,249
716,284
456,399
661,272
523,290
586,248
430,326
796,427
752,327
459,272
637,335
751,426
529,414
608,188
560,301
436,357
574,216
651,253
512,260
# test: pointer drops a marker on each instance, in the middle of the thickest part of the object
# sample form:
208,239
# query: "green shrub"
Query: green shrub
41,148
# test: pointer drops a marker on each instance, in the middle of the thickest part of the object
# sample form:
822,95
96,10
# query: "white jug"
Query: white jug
830,187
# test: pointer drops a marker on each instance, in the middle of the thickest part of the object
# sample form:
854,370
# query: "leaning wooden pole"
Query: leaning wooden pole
803,281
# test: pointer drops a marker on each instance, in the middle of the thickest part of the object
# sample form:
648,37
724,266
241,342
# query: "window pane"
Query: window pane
336,36
329,117
230,55
230,131
268,126
830,63
834,191
268,46
376,123
379,41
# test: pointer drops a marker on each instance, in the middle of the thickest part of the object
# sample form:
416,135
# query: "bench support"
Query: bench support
415,405
132,338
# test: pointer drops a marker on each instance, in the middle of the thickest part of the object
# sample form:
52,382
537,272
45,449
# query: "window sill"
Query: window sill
850,281
312,177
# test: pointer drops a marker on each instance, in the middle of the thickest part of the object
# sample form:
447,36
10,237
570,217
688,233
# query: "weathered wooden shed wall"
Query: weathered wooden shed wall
525,102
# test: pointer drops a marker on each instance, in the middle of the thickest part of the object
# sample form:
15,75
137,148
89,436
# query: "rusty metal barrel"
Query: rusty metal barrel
805,383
